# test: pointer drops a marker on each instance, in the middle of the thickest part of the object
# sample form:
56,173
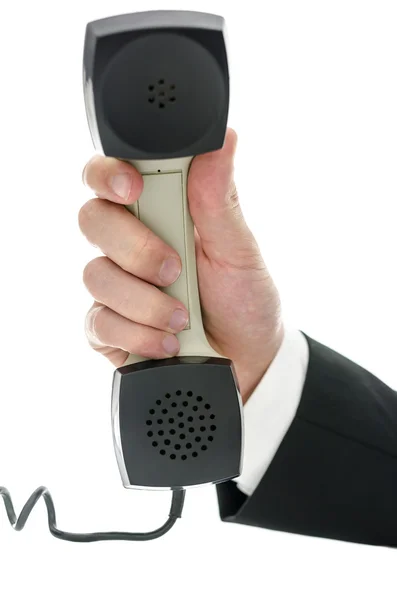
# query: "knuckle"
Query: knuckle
84,216
88,213
93,271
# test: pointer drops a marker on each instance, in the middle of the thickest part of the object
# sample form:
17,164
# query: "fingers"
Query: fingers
116,337
113,179
118,234
132,298
128,242
130,316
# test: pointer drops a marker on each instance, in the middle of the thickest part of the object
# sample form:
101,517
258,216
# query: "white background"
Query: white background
314,99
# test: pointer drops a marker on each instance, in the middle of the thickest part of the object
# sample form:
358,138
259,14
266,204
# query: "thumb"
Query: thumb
215,208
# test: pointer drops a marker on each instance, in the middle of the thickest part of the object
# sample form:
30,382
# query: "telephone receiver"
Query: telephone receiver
156,91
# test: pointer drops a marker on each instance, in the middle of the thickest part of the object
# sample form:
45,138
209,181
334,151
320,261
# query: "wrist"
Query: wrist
250,375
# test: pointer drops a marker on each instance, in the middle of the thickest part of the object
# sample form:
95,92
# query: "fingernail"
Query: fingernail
171,345
170,270
121,185
178,320
90,327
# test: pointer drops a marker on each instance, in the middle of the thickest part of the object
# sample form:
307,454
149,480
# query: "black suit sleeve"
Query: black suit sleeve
335,472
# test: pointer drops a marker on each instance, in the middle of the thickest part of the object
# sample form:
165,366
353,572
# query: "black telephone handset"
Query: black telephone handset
156,90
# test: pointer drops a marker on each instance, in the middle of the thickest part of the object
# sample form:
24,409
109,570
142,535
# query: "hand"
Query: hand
240,304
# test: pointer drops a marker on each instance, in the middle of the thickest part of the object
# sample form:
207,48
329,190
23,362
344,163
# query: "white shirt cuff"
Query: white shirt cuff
271,408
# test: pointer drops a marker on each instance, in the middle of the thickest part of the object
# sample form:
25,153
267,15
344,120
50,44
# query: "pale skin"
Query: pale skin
130,314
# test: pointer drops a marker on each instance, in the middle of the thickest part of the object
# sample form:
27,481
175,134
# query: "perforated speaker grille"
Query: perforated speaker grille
161,93
181,425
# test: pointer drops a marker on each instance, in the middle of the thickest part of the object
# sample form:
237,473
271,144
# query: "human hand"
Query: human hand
240,304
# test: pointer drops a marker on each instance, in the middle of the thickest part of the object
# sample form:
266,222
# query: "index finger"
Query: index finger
113,179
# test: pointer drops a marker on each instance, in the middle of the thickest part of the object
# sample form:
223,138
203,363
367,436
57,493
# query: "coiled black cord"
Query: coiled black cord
178,498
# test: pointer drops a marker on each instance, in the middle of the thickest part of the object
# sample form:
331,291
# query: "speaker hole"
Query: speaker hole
161,94
194,454
185,403
161,105
191,429
183,457
152,411
199,398
162,452
204,448
172,86
195,408
158,402
182,436
167,442
188,446
154,444
151,100
180,414
190,419
164,411
151,88
213,428
173,456
159,421
207,406
161,432
198,438
161,81
172,99
171,420
212,416
148,423
181,425
202,428
201,417
190,394
172,431
150,433
210,438
168,395
174,405
177,446
179,393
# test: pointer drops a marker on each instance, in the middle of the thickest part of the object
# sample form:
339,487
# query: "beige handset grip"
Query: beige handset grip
163,208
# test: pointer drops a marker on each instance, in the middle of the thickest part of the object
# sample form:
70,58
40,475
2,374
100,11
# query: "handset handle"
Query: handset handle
163,208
